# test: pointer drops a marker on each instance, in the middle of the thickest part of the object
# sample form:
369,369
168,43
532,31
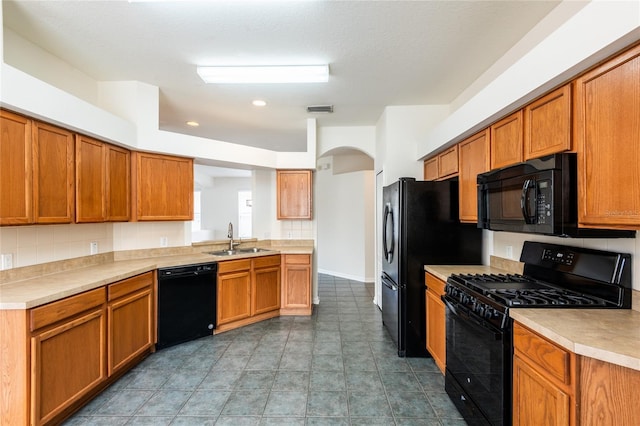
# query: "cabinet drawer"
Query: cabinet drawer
234,265
65,308
434,284
298,259
129,285
551,358
265,261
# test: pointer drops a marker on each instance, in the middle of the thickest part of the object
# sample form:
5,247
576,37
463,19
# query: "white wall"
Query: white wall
399,130
344,207
344,202
538,63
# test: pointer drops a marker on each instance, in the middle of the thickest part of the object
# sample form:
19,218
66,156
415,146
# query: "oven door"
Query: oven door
478,369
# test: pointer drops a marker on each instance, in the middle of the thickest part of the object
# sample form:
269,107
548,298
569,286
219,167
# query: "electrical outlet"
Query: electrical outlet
508,250
164,241
93,247
7,261
289,234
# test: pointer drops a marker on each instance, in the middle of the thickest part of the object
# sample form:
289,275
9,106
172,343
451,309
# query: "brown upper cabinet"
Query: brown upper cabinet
118,183
607,135
16,170
90,180
443,165
431,168
162,187
506,141
547,124
293,193
474,159
53,174
103,181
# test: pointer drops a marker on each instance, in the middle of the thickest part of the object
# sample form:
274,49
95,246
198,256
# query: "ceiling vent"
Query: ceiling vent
320,109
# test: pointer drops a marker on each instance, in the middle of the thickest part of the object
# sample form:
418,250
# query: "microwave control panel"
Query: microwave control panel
543,199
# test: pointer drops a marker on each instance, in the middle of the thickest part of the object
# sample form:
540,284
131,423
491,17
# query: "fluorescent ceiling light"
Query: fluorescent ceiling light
259,103
265,74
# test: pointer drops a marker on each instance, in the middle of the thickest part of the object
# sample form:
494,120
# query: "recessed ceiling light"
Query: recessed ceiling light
259,103
265,74
193,123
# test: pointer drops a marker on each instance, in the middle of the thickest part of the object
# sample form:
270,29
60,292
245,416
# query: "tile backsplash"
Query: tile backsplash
31,245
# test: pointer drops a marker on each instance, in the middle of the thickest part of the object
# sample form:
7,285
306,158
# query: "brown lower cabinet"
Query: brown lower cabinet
296,284
248,291
554,386
436,322
131,324
55,357
544,381
68,354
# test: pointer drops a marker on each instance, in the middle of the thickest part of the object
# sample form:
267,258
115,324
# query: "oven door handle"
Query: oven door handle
470,318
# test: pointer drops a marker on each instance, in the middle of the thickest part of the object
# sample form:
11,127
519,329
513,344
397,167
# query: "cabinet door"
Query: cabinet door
607,134
118,182
294,188
473,154
296,287
448,163
163,187
16,170
90,180
506,141
53,174
130,320
234,296
436,332
431,168
537,401
547,124
67,362
265,294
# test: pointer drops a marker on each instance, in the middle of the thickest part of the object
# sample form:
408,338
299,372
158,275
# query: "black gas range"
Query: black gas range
479,330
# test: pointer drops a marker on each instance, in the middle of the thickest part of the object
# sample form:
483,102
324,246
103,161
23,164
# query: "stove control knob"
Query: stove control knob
489,313
480,310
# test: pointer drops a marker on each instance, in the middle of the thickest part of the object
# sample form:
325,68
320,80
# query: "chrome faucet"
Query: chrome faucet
230,236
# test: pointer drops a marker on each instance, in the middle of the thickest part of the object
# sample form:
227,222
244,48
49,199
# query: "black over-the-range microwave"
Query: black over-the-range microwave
539,196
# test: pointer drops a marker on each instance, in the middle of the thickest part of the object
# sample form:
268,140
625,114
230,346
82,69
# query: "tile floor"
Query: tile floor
337,367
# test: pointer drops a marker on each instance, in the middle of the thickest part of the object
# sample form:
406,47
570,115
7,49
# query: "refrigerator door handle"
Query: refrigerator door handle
388,215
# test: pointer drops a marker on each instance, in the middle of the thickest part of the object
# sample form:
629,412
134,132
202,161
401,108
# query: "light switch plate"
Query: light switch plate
164,241
93,247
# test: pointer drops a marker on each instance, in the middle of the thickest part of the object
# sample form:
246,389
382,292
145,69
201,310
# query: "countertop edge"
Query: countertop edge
87,278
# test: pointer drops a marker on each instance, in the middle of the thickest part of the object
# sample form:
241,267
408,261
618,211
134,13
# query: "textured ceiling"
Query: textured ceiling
380,53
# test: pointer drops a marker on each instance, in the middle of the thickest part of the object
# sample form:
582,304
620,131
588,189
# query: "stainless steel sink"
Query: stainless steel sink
236,251
222,252
252,250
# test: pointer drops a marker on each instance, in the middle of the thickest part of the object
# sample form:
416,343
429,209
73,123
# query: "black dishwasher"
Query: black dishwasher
186,303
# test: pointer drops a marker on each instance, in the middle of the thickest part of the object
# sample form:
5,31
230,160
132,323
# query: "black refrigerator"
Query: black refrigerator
420,227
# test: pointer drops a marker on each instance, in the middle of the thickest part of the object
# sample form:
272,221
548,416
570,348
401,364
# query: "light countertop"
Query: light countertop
610,335
36,291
